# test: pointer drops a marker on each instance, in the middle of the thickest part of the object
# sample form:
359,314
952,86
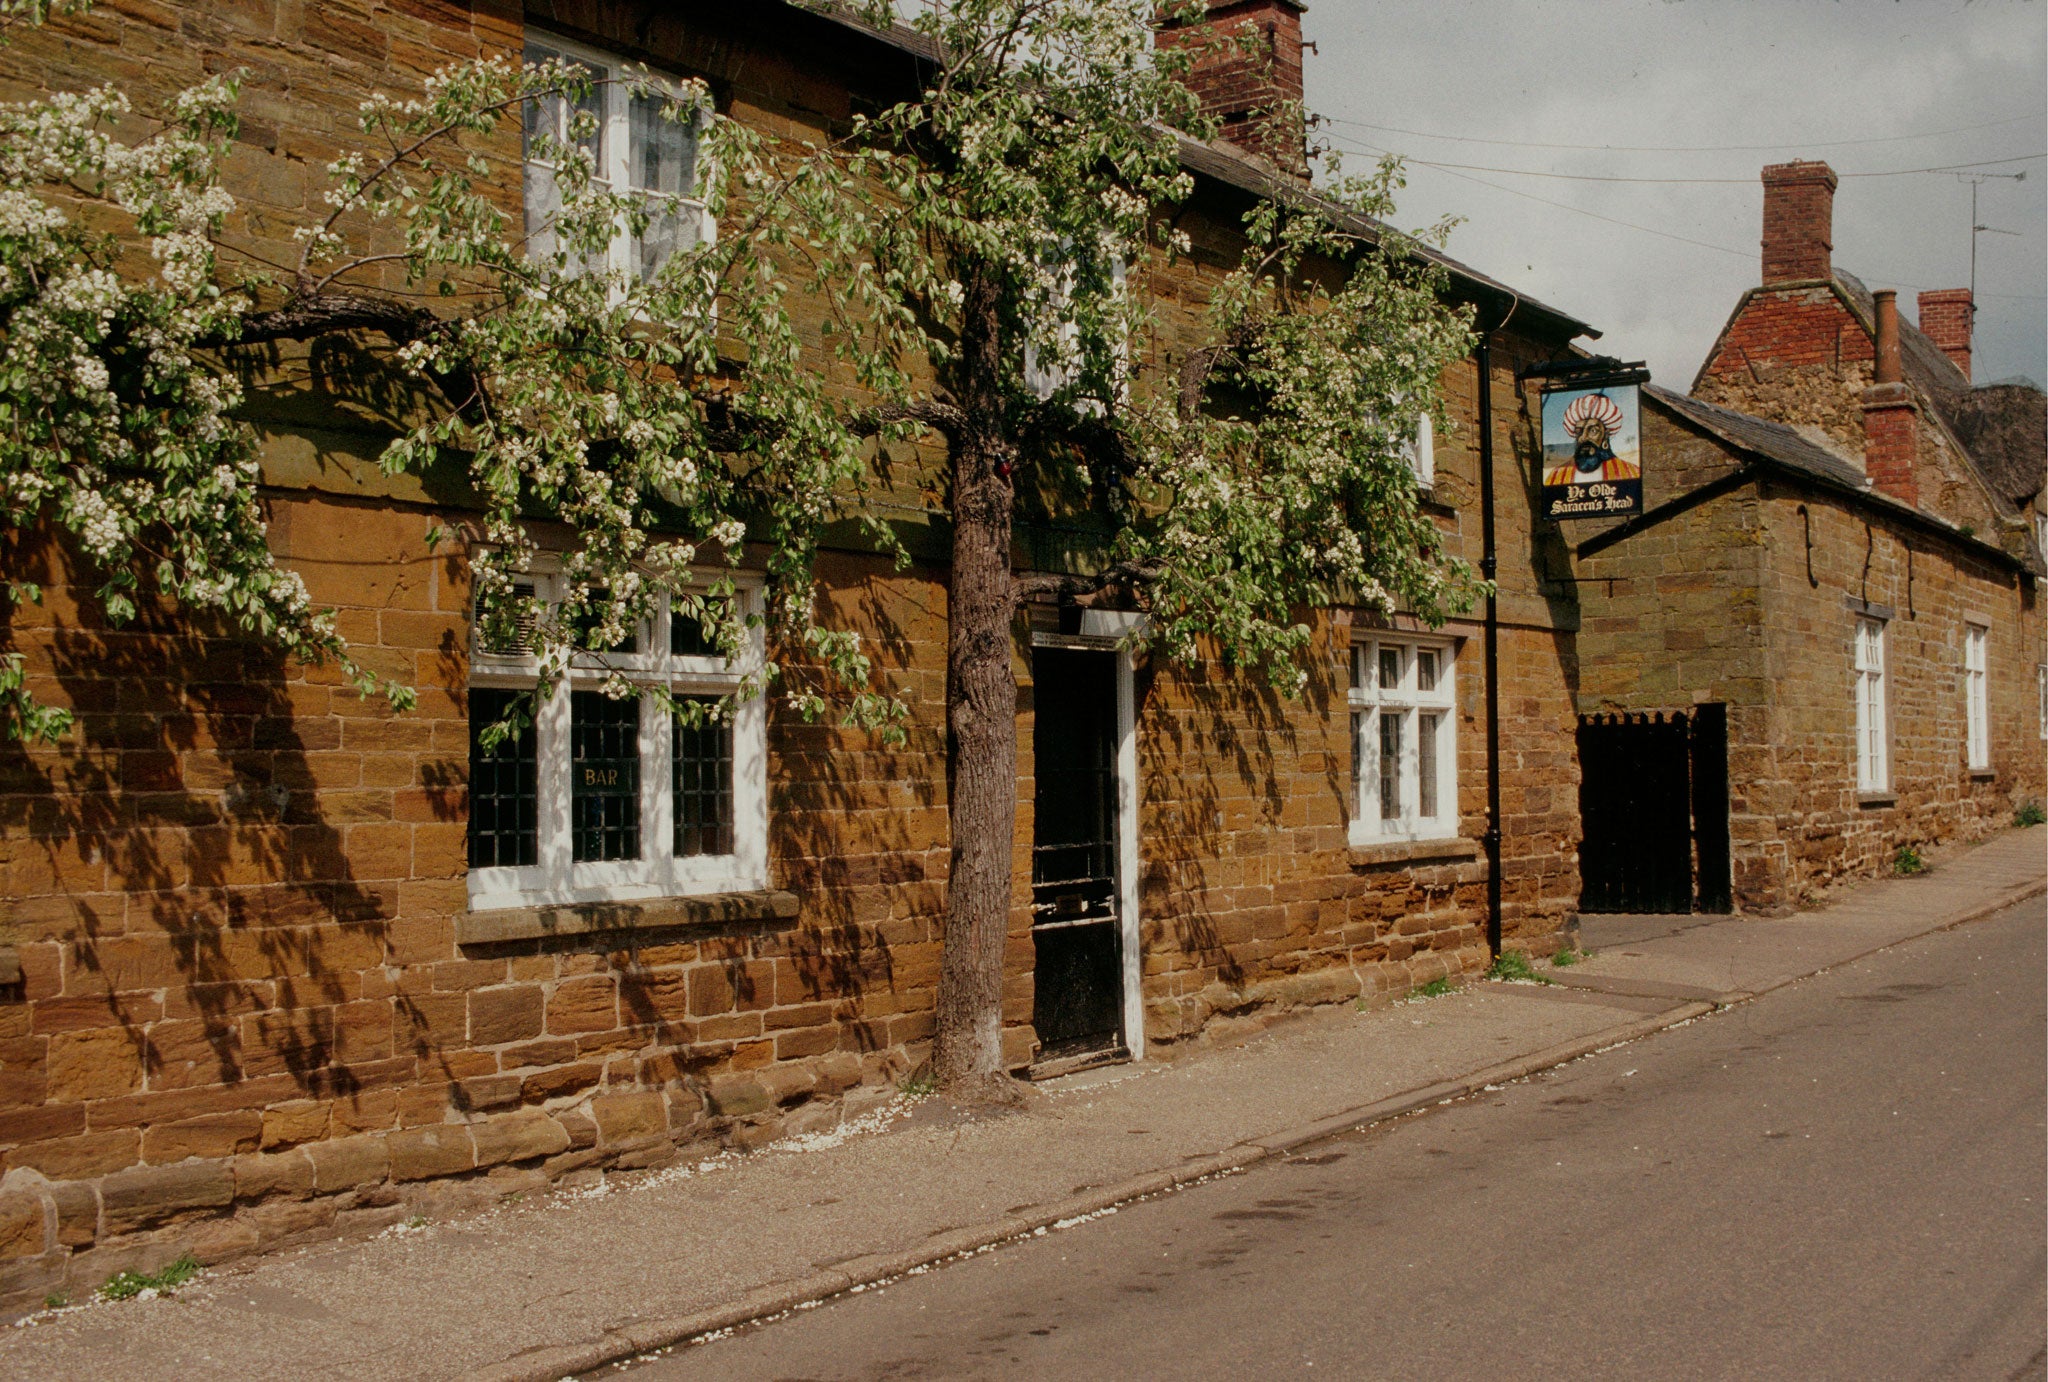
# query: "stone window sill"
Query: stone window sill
1875,800
1983,774
1413,852
509,924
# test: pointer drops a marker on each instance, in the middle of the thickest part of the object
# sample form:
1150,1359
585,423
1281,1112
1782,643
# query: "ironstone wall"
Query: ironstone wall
244,1017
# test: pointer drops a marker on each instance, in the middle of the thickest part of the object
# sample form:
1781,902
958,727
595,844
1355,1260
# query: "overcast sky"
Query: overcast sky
1480,82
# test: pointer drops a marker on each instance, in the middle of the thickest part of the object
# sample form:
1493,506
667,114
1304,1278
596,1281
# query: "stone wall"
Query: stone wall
1718,603
235,891
1825,830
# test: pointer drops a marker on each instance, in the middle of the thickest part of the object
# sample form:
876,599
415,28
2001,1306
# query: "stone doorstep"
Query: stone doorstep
596,919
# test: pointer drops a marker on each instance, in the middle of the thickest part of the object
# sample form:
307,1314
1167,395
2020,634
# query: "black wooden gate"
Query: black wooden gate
1653,812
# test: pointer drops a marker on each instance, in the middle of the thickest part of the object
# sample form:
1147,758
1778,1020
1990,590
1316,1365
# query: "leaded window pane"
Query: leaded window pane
504,797
1390,668
604,783
702,782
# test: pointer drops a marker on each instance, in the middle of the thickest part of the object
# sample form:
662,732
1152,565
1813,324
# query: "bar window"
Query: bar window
604,777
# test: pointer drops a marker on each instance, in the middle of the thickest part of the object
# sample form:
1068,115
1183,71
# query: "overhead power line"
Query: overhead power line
1662,234
1689,148
1598,177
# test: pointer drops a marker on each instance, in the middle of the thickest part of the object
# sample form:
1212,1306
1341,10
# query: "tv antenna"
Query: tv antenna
1977,227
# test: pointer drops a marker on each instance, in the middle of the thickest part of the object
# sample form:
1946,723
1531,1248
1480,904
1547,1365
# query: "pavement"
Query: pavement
572,1281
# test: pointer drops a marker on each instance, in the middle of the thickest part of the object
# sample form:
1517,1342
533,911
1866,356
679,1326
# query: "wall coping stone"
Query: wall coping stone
1413,851
599,918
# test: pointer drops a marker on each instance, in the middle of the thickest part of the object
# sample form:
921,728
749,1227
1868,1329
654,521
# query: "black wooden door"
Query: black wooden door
1635,812
1076,928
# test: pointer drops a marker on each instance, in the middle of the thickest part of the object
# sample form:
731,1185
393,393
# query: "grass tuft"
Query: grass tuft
128,1285
1512,966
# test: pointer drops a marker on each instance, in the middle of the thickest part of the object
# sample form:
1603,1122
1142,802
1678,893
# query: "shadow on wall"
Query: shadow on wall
185,886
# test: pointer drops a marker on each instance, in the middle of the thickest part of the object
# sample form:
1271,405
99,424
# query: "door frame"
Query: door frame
1129,931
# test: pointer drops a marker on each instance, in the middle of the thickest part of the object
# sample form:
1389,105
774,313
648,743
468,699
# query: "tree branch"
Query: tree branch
1088,591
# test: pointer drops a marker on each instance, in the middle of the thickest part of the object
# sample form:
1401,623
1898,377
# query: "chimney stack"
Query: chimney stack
1799,222
1945,319
1246,67
1891,422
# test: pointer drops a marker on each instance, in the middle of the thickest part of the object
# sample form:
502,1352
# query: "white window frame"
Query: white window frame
2041,691
1976,700
615,163
1873,720
1044,380
1420,449
1369,701
558,877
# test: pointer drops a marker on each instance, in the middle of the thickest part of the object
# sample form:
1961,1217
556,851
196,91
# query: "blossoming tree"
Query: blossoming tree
985,245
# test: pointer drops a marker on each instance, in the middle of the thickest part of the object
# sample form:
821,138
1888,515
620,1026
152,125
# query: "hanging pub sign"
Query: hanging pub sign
1592,449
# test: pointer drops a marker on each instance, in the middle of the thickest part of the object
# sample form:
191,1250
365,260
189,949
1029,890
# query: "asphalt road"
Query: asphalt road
1844,1179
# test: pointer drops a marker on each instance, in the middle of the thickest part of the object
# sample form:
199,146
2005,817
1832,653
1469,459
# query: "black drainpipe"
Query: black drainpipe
1487,565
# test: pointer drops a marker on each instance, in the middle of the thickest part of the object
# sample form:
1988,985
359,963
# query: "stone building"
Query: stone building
285,964
1840,545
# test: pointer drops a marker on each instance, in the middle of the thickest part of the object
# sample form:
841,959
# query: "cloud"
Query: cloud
1805,76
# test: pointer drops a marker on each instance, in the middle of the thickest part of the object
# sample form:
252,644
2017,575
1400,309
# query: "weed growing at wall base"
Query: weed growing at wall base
1908,862
1513,967
2030,813
128,1285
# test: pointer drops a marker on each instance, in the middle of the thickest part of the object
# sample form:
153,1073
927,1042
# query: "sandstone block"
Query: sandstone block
215,1135
738,1098
94,1064
436,1150
260,1175
580,1126
518,1137
221,1239
22,1225
149,1195
346,1162
283,1219
499,1015
623,1118
78,1212
287,1125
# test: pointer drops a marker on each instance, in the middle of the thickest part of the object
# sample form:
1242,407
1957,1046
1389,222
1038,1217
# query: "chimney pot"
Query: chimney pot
1891,420
1946,318
1888,369
1799,214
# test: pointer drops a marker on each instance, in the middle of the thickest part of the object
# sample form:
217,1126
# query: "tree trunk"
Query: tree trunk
981,713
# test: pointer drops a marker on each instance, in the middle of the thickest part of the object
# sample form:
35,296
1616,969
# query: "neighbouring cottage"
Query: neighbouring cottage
1840,555
282,963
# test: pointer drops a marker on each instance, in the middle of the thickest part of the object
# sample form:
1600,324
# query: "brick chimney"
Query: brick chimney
1247,64
1945,318
1799,221
1891,423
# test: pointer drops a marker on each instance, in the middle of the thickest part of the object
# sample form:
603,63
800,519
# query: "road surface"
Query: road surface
1843,1179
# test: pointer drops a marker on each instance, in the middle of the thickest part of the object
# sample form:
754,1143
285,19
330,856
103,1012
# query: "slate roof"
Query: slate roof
1771,440
2002,427
1781,446
2005,429
1227,164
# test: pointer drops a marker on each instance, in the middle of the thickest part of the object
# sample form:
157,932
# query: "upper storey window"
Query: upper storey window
633,149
